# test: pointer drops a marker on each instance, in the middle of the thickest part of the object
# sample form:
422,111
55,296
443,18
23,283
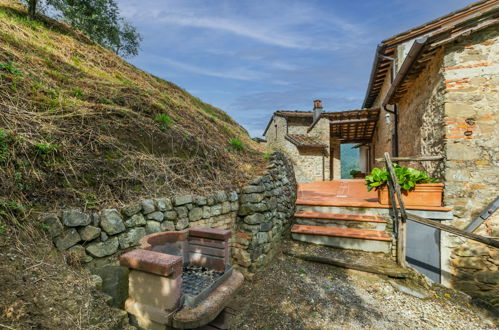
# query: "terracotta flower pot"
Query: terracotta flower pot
424,194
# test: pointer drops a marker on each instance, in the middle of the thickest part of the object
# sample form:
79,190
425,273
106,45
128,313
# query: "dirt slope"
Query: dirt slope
81,127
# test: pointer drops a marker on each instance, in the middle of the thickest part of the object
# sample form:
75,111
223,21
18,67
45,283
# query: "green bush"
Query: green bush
353,173
406,176
236,144
266,155
43,148
164,120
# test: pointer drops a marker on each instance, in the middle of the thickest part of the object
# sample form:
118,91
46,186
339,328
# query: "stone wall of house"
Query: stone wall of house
471,72
310,164
421,125
258,215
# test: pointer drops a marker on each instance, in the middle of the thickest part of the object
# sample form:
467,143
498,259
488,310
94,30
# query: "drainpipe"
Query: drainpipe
395,137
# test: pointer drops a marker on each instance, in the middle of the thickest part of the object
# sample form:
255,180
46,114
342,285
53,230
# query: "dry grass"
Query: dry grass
40,291
81,125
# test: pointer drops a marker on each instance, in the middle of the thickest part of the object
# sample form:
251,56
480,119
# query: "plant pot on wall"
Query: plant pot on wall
424,194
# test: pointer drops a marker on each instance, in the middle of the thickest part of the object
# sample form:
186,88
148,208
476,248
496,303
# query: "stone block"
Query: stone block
206,212
111,222
225,207
266,226
233,196
254,219
89,233
67,239
252,189
200,200
182,200
488,277
54,226
469,262
216,210
182,223
252,198
234,206
102,249
153,227
168,226
461,151
131,237
156,216
246,209
130,210
196,214
148,206
467,251
75,218
170,215
163,204
135,221
182,212
221,196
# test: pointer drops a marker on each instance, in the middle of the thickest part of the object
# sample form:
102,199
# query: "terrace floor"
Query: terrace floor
345,193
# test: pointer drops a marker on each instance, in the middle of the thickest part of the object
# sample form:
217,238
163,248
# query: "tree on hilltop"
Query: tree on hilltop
99,19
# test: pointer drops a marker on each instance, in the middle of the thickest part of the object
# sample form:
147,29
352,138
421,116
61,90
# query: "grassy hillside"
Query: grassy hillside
81,127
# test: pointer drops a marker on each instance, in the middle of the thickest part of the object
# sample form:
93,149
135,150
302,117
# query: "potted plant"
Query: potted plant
417,188
356,174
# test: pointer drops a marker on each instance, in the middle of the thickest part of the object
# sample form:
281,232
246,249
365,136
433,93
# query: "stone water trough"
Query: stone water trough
180,279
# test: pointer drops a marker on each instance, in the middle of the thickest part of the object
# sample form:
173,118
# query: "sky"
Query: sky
253,57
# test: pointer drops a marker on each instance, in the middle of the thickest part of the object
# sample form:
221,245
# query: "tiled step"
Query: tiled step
340,220
340,216
344,238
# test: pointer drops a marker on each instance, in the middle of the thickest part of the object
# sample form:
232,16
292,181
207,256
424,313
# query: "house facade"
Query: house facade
312,139
433,91
438,88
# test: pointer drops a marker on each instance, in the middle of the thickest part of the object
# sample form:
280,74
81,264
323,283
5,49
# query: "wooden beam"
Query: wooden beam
414,158
402,223
351,121
452,230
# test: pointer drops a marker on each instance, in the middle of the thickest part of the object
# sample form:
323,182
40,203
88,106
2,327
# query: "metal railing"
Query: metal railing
400,221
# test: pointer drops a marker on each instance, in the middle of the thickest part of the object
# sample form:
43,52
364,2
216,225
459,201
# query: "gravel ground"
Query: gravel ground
294,294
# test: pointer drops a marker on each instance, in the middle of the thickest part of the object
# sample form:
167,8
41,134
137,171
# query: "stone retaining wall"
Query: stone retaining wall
265,213
258,215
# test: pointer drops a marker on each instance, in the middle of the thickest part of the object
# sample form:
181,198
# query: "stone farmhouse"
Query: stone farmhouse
433,91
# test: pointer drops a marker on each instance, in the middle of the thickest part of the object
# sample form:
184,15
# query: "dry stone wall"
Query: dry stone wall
267,205
263,208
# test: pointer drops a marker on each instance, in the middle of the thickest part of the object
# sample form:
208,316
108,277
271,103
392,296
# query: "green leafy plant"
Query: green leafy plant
406,176
9,67
164,120
43,148
353,173
266,155
236,144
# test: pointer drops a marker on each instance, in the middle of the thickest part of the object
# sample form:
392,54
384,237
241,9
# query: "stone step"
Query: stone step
340,220
345,238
